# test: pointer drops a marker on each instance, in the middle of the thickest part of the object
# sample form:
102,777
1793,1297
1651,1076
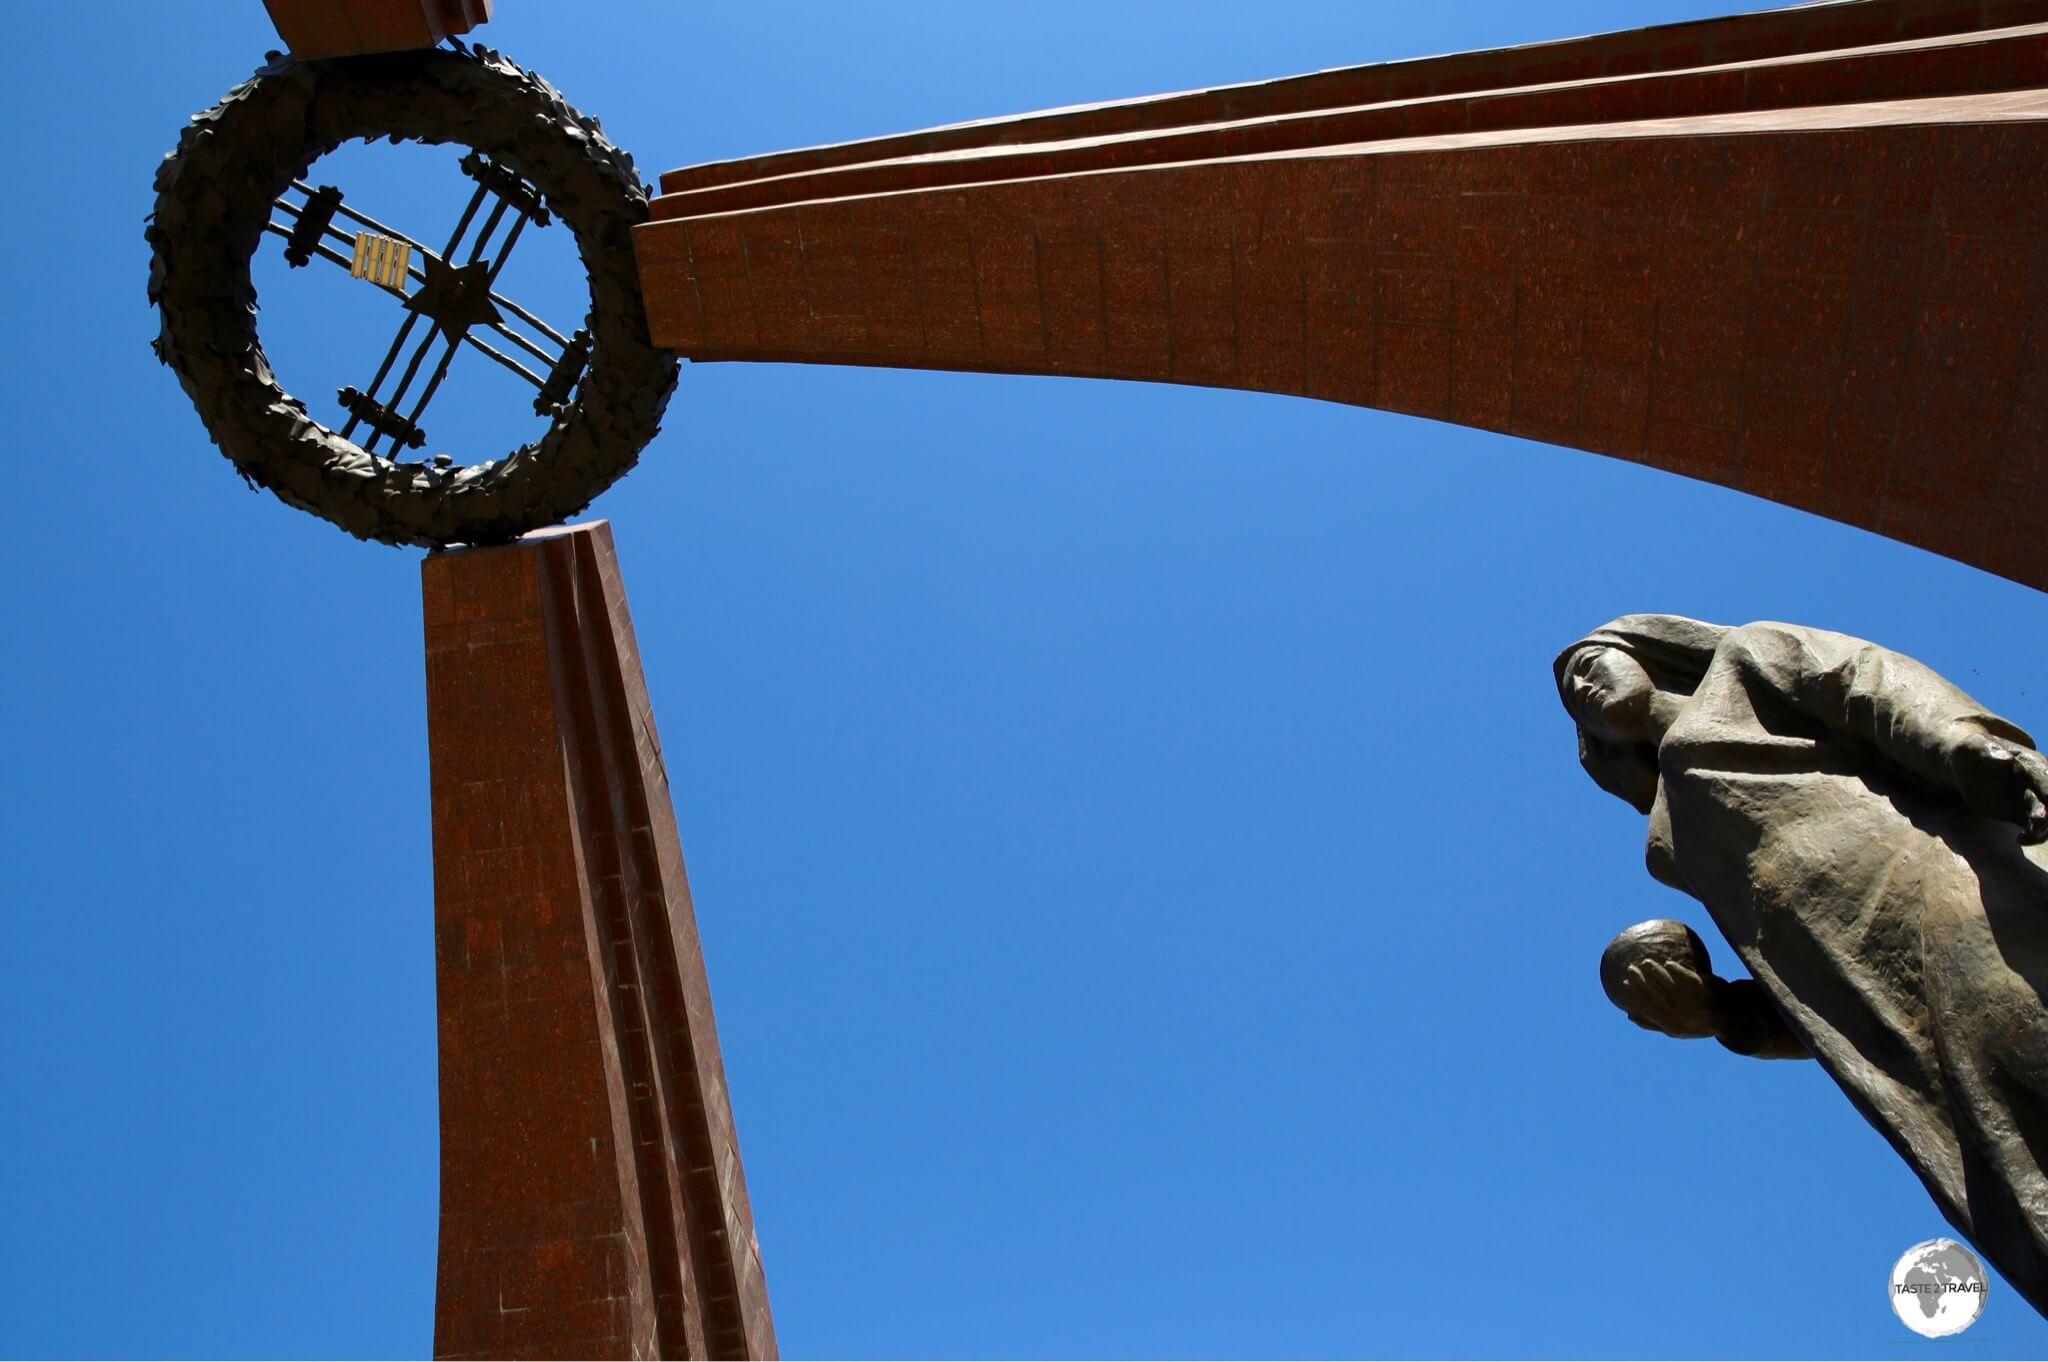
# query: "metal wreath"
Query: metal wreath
214,196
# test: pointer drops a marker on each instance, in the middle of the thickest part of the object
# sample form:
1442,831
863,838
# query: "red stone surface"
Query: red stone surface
345,28
1800,253
592,1201
1739,40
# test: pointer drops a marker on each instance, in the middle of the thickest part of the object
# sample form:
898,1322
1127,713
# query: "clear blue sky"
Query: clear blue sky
1150,897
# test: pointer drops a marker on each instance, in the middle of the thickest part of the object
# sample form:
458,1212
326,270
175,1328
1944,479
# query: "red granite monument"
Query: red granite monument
1802,253
592,1203
321,28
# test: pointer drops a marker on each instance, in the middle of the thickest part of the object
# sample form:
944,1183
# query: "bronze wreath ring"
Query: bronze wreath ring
214,195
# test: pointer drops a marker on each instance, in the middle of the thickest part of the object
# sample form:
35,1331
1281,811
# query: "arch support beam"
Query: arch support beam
592,1198
347,28
1802,253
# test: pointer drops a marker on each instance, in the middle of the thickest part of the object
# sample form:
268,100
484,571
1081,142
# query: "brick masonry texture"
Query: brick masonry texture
1801,253
347,28
1753,39
592,1200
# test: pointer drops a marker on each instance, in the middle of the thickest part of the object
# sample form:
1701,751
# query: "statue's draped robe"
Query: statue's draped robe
1805,799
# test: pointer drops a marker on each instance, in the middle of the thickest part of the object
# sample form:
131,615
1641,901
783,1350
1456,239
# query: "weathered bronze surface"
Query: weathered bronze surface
1869,840
233,166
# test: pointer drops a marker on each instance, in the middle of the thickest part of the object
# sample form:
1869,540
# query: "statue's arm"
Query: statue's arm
1906,713
1661,975
1750,1024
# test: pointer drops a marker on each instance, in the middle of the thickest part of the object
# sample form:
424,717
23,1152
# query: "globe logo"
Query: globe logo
1937,1288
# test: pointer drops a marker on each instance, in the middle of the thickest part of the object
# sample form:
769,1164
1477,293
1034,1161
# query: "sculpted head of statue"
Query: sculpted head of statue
1623,685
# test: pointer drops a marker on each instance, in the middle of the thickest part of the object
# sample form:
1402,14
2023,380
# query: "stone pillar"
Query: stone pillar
349,28
592,1202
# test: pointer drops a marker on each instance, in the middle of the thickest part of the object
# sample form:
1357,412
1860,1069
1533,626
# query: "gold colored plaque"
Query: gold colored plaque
381,260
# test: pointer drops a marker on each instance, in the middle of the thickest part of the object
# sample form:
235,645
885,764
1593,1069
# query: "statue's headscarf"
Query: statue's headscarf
1675,651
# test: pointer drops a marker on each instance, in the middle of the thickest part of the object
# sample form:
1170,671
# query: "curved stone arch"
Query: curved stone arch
1802,253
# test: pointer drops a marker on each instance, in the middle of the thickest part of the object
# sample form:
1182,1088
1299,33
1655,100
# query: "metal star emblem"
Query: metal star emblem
455,298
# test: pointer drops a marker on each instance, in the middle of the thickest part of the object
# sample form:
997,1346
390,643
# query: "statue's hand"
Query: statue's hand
2004,780
1669,996
1660,974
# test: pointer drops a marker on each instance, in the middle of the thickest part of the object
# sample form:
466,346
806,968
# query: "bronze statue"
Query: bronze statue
1869,840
